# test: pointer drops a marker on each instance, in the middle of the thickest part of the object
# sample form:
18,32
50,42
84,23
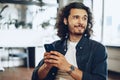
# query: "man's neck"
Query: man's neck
75,38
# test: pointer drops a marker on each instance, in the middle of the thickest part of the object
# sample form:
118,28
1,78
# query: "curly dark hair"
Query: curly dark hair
62,30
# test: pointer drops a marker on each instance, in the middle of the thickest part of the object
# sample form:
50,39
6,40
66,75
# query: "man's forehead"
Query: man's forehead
78,12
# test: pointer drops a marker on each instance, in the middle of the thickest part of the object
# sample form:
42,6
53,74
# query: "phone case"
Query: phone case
49,47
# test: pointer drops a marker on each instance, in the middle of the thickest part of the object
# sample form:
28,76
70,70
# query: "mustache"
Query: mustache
79,25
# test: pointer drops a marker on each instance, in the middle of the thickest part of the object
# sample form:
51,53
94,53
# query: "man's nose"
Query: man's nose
80,20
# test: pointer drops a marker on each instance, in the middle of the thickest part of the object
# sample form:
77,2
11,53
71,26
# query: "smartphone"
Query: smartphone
49,47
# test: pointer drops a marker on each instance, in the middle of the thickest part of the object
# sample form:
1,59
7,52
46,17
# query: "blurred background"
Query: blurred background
26,25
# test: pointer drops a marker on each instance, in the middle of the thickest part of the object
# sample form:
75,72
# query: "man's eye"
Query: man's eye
85,18
75,17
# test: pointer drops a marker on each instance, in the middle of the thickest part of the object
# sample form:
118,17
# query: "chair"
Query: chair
21,55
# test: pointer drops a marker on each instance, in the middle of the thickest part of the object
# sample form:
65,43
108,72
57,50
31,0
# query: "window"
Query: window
107,25
111,30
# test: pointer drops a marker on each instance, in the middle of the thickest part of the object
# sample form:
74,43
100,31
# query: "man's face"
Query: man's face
77,21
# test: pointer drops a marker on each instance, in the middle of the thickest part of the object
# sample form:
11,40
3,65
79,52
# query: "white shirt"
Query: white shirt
71,58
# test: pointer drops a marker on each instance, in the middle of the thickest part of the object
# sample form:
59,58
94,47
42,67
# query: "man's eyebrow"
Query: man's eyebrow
86,15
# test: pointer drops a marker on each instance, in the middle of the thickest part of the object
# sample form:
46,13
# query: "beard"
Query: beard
77,30
78,33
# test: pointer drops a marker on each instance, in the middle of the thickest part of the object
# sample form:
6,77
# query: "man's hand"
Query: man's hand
56,59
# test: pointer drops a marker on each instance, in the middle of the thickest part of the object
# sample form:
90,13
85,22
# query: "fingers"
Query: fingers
55,53
50,61
46,53
52,57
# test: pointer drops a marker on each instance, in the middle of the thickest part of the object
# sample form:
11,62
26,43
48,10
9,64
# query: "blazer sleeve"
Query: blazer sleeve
35,71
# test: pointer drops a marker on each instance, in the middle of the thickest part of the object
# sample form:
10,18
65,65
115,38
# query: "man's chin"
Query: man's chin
79,34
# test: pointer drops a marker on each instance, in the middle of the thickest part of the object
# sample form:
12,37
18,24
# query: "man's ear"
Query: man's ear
65,21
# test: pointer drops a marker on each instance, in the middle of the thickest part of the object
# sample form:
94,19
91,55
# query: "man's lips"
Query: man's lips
79,26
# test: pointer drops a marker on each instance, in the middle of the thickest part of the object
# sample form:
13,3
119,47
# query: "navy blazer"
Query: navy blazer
91,58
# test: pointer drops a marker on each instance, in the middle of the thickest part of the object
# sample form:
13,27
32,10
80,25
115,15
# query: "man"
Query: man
75,56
